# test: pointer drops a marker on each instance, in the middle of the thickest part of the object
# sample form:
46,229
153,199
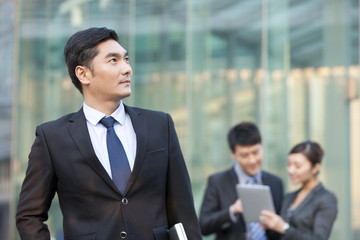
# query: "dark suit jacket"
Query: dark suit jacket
220,194
63,161
313,218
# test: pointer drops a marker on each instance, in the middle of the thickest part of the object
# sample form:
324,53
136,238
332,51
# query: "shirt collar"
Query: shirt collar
94,116
244,177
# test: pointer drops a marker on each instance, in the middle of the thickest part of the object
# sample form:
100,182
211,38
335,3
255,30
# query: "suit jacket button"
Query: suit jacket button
124,201
123,234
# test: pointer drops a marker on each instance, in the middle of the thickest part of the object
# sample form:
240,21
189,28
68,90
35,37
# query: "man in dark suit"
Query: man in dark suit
74,157
221,210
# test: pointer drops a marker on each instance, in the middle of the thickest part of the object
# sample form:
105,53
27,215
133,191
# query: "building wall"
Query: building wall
290,66
7,17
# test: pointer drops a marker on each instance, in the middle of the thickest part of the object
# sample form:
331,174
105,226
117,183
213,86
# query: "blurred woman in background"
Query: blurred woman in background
308,213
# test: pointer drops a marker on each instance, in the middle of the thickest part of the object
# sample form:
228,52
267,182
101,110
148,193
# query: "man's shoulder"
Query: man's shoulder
222,174
144,111
62,120
269,176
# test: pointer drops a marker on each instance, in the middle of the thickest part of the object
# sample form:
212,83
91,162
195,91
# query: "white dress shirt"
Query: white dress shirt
244,178
123,129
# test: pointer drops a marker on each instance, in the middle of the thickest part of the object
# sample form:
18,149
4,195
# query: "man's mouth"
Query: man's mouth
125,82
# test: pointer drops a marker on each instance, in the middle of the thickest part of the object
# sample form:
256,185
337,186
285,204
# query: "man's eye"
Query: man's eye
113,60
126,59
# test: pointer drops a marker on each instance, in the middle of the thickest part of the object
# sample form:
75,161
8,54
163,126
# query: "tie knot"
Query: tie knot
251,180
108,122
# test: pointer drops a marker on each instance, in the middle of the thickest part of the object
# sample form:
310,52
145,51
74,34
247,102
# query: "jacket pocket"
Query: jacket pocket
86,236
156,150
161,233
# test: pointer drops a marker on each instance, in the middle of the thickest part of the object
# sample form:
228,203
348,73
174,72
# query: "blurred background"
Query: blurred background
290,66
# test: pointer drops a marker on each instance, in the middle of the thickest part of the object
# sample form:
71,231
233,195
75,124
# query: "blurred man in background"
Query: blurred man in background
221,210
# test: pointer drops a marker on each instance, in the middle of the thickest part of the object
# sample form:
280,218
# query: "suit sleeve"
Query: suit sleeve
324,218
37,192
213,218
180,203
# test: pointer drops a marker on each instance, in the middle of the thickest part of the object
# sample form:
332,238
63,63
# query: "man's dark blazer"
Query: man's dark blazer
313,218
62,160
220,194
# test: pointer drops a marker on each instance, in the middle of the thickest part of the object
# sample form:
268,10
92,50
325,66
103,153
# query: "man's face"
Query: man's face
111,73
249,158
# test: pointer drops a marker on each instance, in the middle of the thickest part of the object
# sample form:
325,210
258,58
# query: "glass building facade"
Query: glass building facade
290,66
7,17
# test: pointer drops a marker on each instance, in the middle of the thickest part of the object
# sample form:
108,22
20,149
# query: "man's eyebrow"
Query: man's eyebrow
117,55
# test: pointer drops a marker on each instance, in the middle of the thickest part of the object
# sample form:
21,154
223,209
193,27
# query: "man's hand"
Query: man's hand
236,207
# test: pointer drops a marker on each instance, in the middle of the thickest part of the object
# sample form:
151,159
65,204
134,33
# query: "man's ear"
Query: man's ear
233,155
83,74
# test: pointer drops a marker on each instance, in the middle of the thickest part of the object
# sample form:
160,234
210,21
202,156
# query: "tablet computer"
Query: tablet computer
254,199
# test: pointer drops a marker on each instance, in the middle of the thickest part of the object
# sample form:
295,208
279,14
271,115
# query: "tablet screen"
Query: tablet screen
254,199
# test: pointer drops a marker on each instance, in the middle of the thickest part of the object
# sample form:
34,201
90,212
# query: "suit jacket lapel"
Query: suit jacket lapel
307,200
140,128
80,134
233,176
234,180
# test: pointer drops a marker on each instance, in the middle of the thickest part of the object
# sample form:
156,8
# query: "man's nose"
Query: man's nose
127,69
252,158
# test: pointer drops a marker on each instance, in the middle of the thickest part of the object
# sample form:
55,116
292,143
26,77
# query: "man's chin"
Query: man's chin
126,94
253,172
